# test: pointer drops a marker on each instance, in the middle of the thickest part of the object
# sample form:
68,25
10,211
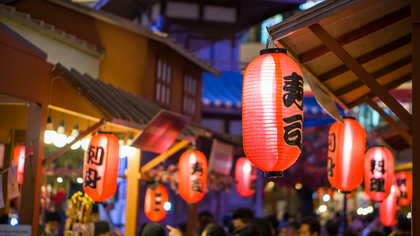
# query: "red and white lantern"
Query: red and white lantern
379,173
404,180
154,202
346,154
100,167
192,172
246,177
19,159
272,112
388,208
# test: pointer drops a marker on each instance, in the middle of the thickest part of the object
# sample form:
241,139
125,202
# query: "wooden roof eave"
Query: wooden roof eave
308,17
310,21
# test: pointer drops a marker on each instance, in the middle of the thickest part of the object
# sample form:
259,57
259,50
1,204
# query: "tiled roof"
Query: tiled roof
50,30
225,91
141,30
120,104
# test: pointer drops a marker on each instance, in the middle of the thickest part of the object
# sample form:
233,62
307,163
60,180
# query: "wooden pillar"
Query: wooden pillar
31,188
415,17
133,189
192,218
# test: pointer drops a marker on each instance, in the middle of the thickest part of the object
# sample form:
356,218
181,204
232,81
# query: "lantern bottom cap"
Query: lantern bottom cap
345,192
273,174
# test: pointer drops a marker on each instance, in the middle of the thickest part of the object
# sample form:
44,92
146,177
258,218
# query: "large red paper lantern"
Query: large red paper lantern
346,153
19,159
272,112
404,180
192,172
246,177
388,208
154,202
379,173
100,167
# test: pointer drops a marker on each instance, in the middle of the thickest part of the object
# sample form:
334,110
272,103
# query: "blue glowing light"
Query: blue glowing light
14,221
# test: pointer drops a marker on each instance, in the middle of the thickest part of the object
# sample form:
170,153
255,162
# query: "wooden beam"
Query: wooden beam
367,57
64,149
306,69
162,157
361,72
117,123
403,167
31,187
133,189
358,33
377,74
415,205
402,131
388,87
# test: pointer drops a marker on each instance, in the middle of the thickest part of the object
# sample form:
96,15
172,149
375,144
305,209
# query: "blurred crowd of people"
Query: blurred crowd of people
241,223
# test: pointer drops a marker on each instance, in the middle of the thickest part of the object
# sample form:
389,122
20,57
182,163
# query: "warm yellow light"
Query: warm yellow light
60,138
298,186
49,133
86,141
322,208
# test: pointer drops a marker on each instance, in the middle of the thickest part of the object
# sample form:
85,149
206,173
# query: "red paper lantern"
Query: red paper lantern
388,208
246,177
100,167
154,202
379,173
404,180
192,171
19,159
272,112
346,154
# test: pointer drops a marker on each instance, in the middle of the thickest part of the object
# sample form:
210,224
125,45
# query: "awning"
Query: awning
354,50
114,105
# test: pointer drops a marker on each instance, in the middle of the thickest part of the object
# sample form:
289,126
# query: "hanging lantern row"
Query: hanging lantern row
347,164
272,112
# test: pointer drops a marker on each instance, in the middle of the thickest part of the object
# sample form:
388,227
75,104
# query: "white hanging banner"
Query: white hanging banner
19,230
1,192
12,184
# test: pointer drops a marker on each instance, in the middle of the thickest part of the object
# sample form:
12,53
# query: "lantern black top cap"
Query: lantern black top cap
273,50
104,132
349,117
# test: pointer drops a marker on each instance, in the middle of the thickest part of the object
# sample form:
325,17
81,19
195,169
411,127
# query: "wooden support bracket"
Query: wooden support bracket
162,157
403,132
361,72
62,150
